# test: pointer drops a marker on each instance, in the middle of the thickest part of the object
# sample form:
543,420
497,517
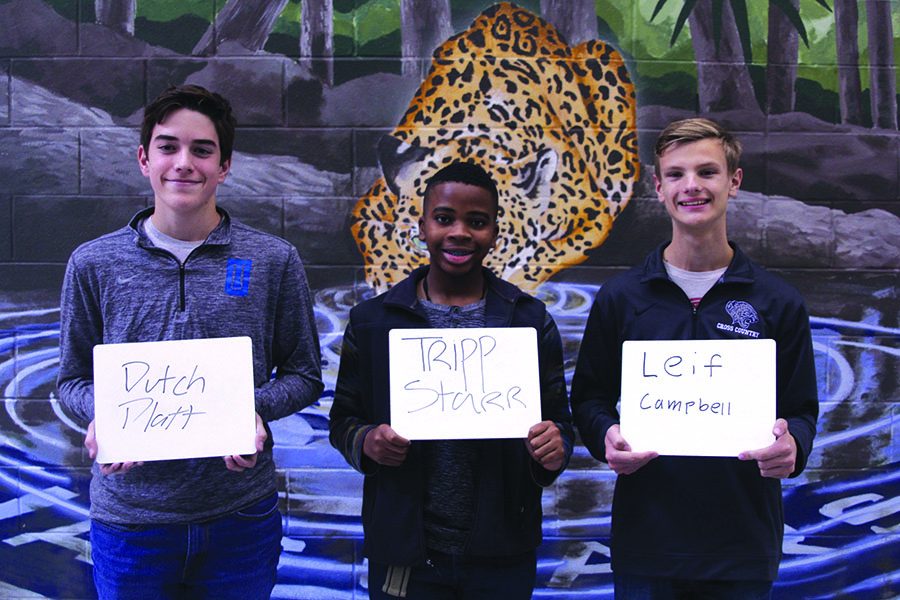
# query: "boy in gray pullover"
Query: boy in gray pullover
184,269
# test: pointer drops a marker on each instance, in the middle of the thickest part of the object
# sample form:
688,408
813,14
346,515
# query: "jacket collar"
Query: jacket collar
405,295
220,236
739,271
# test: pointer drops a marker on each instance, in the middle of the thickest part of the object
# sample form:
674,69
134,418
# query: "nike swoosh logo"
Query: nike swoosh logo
121,280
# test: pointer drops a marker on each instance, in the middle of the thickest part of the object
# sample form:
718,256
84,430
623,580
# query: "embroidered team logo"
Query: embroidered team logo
741,313
237,276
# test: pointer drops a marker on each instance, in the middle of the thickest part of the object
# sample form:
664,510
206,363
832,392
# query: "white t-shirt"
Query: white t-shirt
694,283
180,248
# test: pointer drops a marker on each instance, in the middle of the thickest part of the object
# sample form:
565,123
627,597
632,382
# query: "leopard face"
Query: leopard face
554,126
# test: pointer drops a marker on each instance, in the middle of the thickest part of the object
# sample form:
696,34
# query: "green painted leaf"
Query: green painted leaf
682,19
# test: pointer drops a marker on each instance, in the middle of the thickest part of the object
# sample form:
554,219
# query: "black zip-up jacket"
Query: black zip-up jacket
507,519
696,517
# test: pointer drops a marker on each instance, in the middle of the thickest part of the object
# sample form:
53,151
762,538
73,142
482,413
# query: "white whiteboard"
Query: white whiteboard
470,383
174,399
698,397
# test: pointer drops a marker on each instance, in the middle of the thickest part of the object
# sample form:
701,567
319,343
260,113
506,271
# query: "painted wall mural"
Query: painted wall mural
554,125
346,106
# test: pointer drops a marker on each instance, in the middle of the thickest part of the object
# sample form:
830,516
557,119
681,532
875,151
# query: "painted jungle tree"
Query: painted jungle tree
781,67
882,81
317,38
723,80
576,20
720,34
424,24
246,22
116,14
846,26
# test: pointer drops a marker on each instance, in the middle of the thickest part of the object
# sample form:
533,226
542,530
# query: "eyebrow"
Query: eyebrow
450,209
706,165
172,138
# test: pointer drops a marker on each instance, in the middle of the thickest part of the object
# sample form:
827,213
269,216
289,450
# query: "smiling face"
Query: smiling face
459,227
183,163
694,184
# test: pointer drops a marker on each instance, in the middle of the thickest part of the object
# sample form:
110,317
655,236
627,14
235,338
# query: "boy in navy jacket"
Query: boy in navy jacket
691,527
449,518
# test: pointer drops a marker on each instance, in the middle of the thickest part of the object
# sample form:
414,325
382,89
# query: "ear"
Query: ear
143,161
224,168
657,185
421,233
394,157
736,179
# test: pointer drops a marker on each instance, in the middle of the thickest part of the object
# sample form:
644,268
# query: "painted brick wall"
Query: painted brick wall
820,205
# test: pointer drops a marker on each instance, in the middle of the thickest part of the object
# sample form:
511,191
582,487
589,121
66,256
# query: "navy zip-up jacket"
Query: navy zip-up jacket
696,517
507,519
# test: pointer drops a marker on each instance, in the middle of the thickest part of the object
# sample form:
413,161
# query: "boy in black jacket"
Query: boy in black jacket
449,518
696,527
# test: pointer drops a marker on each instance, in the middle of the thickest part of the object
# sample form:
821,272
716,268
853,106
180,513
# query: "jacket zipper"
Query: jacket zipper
181,294
181,290
181,286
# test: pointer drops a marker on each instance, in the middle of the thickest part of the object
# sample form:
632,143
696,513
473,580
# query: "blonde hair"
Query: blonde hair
695,129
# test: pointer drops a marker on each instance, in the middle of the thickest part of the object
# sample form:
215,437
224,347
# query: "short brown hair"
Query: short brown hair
694,130
198,99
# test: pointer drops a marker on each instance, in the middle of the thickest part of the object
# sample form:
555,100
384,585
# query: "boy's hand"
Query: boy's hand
237,462
778,460
619,455
385,446
545,445
90,442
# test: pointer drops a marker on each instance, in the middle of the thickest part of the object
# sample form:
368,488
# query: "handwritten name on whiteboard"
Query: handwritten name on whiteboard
474,383
698,397
174,399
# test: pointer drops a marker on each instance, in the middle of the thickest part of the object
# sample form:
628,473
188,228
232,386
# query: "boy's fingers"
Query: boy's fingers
781,427
397,439
538,429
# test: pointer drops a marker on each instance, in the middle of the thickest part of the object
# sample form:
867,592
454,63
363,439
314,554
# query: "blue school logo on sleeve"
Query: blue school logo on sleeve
237,277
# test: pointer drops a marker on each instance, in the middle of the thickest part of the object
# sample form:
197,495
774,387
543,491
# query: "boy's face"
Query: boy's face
459,226
694,184
182,163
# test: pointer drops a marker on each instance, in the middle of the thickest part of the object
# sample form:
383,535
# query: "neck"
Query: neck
699,253
188,228
453,291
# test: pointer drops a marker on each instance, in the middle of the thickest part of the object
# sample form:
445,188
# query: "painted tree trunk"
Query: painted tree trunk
781,71
846,26
424,25
317,38
248,23
882,82
723,80
116,14
576,20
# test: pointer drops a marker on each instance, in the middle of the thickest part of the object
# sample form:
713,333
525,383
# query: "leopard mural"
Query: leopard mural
554,125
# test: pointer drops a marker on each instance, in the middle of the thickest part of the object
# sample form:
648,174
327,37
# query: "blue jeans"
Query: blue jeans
637,587
235,556
446,577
